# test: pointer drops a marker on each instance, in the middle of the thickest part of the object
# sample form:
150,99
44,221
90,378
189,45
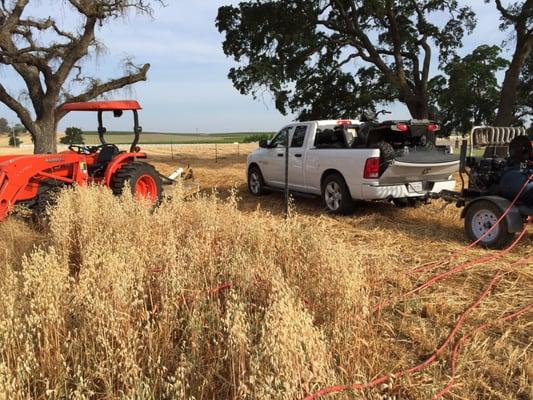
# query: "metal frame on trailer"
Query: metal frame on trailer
482,136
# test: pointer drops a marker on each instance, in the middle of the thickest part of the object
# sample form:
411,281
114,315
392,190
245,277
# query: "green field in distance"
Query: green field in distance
91,138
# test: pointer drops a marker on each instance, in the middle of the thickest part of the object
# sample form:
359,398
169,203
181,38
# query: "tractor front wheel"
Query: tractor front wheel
46,199
143,180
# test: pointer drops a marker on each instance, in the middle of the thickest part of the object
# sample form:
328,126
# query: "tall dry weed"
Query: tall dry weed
119,303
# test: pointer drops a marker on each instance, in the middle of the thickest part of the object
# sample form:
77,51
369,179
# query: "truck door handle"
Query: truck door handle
297,155
280,154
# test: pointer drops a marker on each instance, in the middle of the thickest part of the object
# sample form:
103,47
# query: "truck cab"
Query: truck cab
323,162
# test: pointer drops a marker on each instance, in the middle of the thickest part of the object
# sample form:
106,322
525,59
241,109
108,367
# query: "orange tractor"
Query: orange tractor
31,180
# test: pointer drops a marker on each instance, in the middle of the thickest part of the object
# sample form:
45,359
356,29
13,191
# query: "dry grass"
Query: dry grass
111,301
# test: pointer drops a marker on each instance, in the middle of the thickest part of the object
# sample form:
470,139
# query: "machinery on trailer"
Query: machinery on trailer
31,180
498,199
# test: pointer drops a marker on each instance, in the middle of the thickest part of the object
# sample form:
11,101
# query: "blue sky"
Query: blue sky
188,89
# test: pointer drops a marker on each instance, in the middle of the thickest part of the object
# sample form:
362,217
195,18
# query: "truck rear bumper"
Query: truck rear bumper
398,191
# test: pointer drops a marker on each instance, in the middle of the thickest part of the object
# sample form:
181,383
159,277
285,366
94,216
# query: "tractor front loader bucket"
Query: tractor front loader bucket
23,177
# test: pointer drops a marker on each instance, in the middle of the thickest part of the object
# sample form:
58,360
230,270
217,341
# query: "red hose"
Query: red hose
205,292
467,337
429,361
523,261
458,268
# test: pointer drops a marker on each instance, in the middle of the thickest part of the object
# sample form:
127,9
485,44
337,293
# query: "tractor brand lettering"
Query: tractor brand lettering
51,160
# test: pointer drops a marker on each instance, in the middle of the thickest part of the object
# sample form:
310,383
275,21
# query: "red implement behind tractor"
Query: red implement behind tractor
30,180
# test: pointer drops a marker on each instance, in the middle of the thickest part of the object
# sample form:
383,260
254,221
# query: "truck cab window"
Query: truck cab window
298,137
331,138
280,140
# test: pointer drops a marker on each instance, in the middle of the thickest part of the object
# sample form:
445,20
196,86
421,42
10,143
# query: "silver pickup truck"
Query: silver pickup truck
323,162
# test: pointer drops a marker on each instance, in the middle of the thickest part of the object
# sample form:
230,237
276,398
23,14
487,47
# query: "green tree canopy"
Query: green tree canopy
304,52
73,135
19,128
4,125
470,92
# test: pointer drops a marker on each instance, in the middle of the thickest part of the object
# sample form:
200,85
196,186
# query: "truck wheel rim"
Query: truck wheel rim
146,187
483,221
254,182
333,195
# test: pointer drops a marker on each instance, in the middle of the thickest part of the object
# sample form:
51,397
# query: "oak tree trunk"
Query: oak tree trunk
45,137
418,106
504,117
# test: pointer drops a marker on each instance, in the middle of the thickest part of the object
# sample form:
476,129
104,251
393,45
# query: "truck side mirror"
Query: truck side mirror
263,144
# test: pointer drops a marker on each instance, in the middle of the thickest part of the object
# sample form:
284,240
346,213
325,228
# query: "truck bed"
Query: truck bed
421,166
427,157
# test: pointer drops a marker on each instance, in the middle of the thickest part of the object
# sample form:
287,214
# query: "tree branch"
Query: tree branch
360,40
503,11
427,62
97,90
16,107
78,49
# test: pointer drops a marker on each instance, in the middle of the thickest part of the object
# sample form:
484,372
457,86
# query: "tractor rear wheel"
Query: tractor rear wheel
143,179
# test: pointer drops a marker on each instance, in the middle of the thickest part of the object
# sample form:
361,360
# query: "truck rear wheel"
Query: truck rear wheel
143,179
480,217
336,196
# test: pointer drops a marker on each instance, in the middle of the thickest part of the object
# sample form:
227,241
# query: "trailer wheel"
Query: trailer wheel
480,217
143,179
256,183
336,196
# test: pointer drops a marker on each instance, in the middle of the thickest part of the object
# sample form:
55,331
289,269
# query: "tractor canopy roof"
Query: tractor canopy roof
102,105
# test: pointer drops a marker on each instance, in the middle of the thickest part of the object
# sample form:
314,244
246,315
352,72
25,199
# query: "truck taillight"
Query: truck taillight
433,127
402,127
371,168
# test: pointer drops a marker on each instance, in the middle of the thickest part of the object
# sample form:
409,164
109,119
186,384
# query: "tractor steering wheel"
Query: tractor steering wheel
83,149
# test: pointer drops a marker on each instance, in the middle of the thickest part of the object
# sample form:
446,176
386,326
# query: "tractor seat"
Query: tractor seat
106,154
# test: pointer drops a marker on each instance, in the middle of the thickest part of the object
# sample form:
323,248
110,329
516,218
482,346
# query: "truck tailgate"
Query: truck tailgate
422,166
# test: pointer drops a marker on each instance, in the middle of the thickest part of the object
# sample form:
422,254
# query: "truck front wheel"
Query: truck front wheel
256,183
336,196
480,217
